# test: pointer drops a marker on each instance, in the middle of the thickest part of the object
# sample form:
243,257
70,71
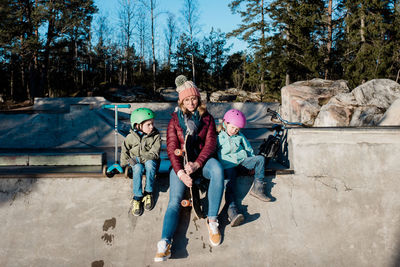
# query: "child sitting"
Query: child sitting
234,152
141,152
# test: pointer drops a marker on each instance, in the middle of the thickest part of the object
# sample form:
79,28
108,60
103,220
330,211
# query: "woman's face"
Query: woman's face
191,103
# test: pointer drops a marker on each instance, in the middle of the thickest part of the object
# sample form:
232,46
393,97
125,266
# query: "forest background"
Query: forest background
56,48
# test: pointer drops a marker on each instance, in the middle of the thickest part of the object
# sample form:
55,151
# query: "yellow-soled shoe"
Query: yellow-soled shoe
148,202
137,207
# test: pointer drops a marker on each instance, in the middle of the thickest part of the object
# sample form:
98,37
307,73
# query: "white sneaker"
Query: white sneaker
214,234
163,251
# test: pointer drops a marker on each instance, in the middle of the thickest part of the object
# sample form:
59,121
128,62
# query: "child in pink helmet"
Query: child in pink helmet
235,151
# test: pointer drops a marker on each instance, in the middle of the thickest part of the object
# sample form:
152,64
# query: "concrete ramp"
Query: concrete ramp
341,207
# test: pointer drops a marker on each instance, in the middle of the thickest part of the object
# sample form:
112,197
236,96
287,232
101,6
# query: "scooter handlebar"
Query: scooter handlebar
117,105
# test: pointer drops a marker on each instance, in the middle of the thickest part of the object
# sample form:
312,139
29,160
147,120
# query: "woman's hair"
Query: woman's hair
220,127
201,107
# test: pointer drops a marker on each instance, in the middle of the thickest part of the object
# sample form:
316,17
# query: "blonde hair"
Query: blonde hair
220,127
201,107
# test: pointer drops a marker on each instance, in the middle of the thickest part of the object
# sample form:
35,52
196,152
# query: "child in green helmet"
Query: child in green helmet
141,152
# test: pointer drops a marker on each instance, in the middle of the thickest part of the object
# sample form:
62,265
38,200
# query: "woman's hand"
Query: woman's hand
185,178
191,167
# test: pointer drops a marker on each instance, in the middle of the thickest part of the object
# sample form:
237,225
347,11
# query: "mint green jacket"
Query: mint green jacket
232,150
146,148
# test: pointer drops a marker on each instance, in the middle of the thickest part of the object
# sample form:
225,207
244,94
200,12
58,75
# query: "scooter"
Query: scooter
115,168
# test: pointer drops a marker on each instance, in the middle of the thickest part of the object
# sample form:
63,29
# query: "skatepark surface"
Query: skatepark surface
340,207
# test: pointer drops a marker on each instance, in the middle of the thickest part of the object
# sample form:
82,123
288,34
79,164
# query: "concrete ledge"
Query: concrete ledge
53,159
14,160
354,152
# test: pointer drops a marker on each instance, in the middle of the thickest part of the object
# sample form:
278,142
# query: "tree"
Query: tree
329,24
141,27
102,47
190,14
253,30
183,55
170,33
152,6
396,41
234,70
370,40
127,20
19,35
297,40
216,54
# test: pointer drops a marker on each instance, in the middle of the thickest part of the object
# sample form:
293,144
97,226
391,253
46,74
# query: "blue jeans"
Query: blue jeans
212,171
250,163
138,169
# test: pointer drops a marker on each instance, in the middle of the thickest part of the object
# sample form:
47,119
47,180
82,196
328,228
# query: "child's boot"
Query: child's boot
137,207
258,190
234,216
163,251
148,201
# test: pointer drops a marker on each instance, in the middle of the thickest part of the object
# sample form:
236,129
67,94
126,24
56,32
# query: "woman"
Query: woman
191,118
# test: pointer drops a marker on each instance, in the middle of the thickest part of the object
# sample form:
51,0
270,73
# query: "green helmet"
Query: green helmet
140,115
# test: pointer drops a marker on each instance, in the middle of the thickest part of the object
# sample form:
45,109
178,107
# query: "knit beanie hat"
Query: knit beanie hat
185,88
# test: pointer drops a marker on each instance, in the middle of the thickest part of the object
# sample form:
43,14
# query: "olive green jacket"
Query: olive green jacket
146,148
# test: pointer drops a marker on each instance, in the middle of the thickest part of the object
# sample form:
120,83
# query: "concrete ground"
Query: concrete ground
85,222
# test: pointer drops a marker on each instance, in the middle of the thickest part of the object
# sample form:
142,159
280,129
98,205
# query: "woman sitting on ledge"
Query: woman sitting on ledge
191,118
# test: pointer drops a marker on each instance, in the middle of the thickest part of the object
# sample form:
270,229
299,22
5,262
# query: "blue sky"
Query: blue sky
213,13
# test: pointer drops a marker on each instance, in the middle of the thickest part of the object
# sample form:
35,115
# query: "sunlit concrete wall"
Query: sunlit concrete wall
347,182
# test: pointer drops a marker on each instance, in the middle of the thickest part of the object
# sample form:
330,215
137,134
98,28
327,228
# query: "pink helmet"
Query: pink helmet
236,117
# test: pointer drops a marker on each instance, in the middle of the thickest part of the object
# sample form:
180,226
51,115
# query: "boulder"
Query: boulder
364,106
234,94
302,101
392,115
221,96
169,94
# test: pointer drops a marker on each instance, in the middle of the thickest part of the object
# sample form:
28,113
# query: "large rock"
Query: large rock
169,94
302,101
234,94
364,106
392,115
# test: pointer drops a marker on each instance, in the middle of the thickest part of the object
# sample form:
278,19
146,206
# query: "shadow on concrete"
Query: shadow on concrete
243,186
10,188
161,184
180,240
283,153
396,262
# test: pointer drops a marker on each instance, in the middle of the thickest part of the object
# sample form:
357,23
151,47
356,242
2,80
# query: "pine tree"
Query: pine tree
253,30
297,40
370,38
234,71
396,41
183,55
215,50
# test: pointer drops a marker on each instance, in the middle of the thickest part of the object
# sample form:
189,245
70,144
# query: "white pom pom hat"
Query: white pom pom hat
185,88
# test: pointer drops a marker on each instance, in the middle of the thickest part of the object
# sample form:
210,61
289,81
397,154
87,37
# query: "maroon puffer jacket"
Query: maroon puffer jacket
207,139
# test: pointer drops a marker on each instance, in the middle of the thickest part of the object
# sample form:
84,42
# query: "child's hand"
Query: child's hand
191,167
